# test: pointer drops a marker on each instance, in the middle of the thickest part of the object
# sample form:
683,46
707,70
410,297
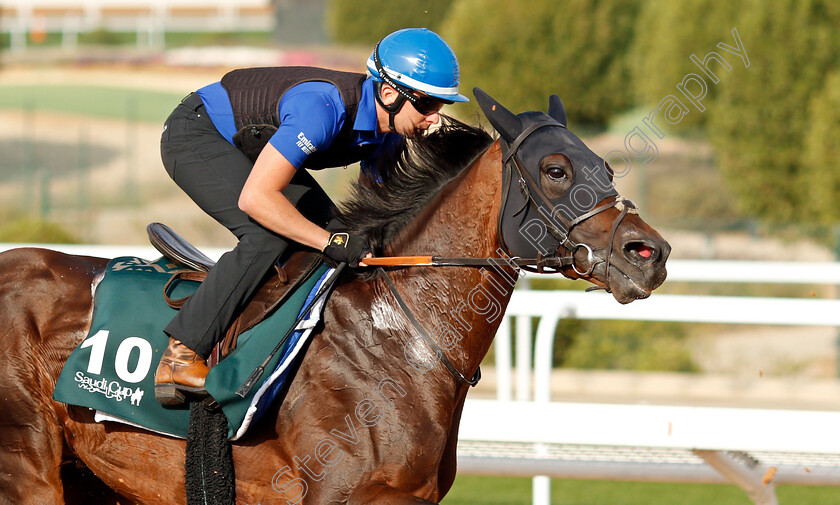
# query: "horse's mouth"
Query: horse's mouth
628,290
623,287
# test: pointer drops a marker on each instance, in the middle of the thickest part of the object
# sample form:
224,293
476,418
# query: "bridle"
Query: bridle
556,224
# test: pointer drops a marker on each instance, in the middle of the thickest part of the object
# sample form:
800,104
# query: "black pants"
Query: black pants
212,172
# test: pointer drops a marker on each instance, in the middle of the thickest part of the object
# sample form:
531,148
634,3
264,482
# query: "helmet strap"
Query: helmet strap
403,92
391,109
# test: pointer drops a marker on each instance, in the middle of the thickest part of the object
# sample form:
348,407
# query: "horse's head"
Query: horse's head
560,205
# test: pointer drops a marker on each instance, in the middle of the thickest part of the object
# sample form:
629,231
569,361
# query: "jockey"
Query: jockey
238,148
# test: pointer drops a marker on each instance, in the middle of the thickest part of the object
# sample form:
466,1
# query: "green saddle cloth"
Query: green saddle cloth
112,370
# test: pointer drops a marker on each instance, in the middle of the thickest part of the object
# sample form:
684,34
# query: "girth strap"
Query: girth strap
426,337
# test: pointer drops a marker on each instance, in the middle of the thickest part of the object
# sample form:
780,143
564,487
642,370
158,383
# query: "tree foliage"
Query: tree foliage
31,230
773,125
665,40
623,345
758,124
822,150
521,52
365,23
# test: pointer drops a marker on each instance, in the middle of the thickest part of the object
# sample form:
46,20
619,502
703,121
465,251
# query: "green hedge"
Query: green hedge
522,51
822,151
30,230
668,34
758,125
622,345
365,23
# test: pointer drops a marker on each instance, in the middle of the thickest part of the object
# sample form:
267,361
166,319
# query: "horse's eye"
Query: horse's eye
557,173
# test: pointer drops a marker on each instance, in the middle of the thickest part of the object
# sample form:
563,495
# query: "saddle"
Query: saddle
276,287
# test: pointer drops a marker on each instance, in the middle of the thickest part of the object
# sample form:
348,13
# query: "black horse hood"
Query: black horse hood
532,136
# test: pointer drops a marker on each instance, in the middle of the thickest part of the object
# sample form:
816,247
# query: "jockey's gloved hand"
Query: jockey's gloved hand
346,248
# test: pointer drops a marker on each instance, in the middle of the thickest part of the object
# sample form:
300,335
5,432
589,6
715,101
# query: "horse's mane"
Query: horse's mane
410,178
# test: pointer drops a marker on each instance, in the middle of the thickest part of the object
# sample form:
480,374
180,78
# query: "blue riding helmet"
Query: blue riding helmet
417,59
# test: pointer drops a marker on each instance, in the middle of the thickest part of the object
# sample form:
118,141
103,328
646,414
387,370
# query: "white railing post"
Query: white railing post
523,358
523,348
543,356
93,14
541,490
19,28
17,36
501,347
70,29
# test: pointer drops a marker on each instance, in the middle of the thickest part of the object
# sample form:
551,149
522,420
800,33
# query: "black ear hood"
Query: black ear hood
523,228
556,109
504,121
507,123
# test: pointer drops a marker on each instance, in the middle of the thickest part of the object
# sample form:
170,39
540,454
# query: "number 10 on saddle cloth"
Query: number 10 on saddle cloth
112,370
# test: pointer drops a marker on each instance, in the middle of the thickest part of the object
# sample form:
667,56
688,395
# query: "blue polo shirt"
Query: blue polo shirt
311,115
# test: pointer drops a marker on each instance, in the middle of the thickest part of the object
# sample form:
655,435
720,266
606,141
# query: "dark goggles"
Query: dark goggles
427,105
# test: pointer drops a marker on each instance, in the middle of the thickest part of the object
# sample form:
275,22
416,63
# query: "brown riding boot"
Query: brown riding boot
180,371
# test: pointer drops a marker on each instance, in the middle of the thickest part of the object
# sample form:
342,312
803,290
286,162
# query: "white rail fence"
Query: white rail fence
520,434
150,19
517,434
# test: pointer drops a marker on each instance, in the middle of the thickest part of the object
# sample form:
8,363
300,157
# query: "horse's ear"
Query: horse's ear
556,109
504,121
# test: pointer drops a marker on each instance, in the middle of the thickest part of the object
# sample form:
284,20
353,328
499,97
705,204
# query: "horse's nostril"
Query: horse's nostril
640,251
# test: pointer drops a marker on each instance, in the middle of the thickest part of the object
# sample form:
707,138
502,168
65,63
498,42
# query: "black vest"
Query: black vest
255,94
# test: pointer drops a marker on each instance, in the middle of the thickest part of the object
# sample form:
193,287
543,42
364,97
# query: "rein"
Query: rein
467,261
441,356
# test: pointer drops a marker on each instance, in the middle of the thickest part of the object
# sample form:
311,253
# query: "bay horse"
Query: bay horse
364,420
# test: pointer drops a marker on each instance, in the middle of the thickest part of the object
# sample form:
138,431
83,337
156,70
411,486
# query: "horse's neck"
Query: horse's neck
460,221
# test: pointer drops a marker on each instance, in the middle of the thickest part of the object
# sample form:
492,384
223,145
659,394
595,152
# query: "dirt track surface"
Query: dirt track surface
128,186
149,78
